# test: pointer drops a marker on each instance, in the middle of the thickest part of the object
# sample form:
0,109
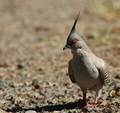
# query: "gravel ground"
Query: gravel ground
33,66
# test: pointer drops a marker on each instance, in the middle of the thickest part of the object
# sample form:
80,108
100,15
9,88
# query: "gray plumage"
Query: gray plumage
85,69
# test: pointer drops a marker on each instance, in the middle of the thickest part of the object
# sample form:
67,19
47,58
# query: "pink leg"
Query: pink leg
93,105
95,102
85,105
98,94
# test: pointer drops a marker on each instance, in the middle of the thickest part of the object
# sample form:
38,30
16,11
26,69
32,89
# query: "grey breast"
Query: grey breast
85,72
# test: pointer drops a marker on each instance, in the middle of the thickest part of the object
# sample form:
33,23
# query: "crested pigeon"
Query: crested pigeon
85,69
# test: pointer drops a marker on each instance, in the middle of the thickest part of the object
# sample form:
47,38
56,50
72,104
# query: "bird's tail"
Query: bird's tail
113,84
109,81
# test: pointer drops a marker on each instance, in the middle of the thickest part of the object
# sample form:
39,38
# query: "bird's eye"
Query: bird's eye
73,42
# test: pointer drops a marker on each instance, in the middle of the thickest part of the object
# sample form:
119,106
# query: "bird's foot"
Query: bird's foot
94,105
90,106
87,106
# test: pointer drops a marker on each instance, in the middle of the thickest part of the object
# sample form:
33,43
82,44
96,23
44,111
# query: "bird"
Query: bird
85,69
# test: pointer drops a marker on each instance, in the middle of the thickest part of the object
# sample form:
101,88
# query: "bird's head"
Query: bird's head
74,41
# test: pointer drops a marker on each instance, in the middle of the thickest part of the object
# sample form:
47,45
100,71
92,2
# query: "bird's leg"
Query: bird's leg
85,105
98,94
95,102
84,99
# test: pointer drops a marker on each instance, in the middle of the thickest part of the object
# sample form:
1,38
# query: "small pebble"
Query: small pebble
35,83
20,66
117,76
2,84
30,111
55,111
1,111
90,36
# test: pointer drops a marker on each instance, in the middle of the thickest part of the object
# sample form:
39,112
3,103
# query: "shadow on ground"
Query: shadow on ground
55,107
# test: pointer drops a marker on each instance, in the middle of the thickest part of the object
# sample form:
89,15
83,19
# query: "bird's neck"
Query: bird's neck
82,51
77,52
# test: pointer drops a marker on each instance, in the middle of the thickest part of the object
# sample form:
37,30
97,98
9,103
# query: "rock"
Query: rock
90,36
30,111
20,66
104,103
2,84
35,83
1,111
11,84
55,111
9,97
1,92
117,76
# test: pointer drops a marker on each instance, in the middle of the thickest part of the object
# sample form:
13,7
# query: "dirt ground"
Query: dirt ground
33,65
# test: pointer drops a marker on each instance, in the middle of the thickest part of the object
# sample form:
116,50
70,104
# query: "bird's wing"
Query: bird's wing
103,75
100,65
70,71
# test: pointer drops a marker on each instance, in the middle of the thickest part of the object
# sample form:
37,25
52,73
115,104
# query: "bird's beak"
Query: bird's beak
66,46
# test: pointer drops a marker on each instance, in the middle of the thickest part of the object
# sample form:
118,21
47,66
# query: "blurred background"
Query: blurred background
32,35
